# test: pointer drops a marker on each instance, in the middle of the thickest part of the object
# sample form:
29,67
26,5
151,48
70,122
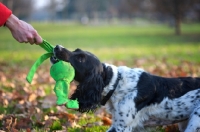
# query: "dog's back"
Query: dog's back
156,88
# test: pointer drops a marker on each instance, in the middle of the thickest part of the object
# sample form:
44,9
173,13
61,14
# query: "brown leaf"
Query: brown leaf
106,121
9,123
172,128
28,130
17,96
74,125
32,97
24,123
1,116
2,77
71,117
64,115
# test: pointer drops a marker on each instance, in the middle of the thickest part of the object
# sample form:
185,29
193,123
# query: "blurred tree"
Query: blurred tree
85,7
56,9
21,8
174,8
52,9
135,7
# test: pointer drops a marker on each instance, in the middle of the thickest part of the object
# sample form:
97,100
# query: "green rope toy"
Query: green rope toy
62,72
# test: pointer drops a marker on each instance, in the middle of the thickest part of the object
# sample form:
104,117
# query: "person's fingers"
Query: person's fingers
31,41
30,38
21,39
38,39
25,40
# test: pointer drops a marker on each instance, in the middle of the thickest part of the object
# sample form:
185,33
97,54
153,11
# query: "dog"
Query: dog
131,95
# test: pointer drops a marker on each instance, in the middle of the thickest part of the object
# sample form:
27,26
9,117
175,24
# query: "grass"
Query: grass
109,42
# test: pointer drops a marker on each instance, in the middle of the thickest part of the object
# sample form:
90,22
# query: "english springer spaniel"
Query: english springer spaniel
133,96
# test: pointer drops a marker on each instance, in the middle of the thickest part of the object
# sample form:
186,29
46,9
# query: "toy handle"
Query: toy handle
33,69
46,46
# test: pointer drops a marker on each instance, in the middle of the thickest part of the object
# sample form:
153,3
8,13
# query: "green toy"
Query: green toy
62,72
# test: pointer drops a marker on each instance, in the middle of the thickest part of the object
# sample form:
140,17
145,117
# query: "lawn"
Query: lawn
153,47
118,42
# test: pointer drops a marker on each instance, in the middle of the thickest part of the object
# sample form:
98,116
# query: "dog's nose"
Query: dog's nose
58,48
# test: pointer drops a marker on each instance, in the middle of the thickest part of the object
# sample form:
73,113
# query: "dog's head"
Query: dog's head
88,72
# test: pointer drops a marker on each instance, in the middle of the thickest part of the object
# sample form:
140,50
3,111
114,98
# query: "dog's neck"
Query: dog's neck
110,76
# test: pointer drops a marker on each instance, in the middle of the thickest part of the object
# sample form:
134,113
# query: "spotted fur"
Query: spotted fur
140,98
170,106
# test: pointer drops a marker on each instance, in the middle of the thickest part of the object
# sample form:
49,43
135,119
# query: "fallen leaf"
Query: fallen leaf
32,97
24,123
9,123
106,121
172,128
75,125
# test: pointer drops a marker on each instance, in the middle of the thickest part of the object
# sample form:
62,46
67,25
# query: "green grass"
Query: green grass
109,42
91,129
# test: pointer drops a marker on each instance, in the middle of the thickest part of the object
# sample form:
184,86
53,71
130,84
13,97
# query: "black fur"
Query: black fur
156,88
87,94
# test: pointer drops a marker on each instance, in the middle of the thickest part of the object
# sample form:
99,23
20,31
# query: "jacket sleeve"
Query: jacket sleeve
4,14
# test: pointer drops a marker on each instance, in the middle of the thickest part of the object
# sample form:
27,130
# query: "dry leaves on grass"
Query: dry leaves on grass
24,106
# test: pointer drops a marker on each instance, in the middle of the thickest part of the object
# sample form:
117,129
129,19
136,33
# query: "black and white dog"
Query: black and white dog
132,95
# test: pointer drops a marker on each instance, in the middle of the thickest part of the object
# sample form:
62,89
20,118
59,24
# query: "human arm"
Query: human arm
20,30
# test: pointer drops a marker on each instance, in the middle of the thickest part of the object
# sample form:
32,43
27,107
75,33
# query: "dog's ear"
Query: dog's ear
88,92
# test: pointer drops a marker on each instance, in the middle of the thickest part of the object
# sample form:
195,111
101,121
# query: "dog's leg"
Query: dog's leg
194,121
122,123
124,115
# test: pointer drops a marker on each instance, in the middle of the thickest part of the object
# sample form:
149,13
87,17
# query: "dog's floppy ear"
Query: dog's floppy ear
88,92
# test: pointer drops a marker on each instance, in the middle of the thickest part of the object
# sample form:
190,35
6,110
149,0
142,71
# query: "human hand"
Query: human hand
22,31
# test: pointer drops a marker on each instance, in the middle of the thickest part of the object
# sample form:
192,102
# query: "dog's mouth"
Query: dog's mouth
61,53
53,60
57,54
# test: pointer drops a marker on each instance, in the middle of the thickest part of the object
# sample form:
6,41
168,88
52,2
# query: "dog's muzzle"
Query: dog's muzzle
53,59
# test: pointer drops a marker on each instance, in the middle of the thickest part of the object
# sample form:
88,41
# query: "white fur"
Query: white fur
112,82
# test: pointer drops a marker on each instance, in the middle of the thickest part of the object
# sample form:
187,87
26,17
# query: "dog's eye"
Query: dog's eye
80,58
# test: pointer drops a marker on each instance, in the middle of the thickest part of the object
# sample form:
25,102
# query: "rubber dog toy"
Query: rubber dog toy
62,72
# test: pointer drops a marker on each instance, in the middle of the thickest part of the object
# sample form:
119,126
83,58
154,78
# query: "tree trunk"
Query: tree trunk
177,15
177,25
